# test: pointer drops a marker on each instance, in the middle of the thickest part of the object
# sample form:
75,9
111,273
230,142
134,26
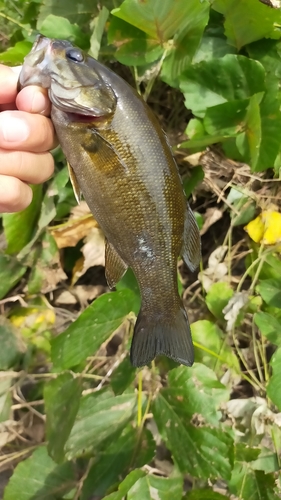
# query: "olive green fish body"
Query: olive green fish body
124,167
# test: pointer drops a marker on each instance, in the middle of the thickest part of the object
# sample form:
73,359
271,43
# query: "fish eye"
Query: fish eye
74,55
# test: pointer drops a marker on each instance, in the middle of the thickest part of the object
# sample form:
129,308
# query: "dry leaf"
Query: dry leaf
233,308
74,230
216,270
212,215
93,252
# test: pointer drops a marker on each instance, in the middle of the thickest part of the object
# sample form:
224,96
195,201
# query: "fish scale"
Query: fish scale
122,163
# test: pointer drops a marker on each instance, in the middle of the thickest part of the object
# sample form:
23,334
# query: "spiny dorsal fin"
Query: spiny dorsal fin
191,251
115,267
74,182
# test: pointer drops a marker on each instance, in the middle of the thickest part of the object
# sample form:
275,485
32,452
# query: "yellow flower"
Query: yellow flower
266,228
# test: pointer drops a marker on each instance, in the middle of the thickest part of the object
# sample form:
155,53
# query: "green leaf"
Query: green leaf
112,463
248,21
269,326
205,495
270,290
212,47
163,20
267,463
218,297
251,485
19,226
62,397
125,486
212,348
6,383
273,389
95,325
186,41
270,132
227,119
100,418
15,55
196,176
248,143
123,376
133,46
159,19
11,272
198,137
47,214
192,446
267,52
152,487
42,478
214,82
52,25
12,346
78,12
201,388
242,203
98,25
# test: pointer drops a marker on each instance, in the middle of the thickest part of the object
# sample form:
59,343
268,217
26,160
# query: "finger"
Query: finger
8,84
26,132
28,167
34,100
15,195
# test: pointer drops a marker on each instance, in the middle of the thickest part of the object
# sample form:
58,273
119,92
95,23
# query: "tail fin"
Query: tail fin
170,337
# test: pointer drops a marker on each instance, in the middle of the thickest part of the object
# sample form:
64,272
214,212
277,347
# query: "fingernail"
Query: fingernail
14,129
38,102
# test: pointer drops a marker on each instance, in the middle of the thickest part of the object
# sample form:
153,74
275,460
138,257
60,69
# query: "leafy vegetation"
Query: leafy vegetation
211,71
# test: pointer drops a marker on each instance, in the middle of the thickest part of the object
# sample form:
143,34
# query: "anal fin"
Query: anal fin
191,251
74,182
115,267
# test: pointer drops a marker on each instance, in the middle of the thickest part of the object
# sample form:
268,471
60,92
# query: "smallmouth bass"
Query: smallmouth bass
122,163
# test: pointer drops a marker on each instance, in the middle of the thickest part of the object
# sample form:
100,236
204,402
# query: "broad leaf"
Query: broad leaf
100,418
19,226
269,326
159,19
192,446
11,272
212,347
270,291
218,297
42,478
62,398
251,485
151,487
77,12
125,486
214,82
12,346
200,389
133,46
95,325
248,21
273,389
52,25
118,457
205,495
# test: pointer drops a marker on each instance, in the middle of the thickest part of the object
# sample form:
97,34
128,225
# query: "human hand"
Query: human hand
26,136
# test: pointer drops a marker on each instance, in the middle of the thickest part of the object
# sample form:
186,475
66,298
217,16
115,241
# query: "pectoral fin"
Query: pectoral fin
191,251
74,182
115,267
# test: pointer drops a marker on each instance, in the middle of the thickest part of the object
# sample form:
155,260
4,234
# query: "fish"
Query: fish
120,160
